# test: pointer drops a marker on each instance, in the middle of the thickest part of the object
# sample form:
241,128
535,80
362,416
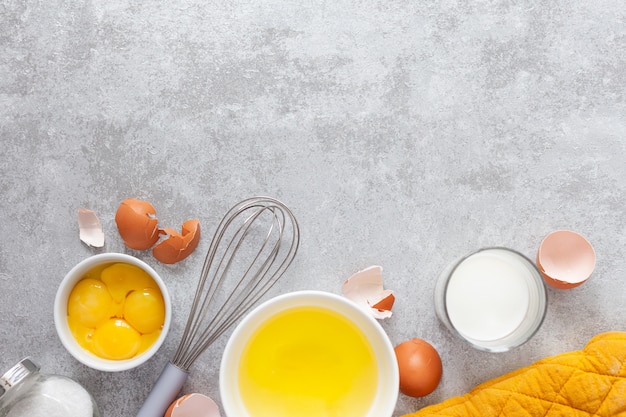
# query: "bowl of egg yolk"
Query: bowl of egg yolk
309,354
112,312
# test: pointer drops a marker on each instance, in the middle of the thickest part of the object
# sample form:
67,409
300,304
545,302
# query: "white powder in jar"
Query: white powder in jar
55,396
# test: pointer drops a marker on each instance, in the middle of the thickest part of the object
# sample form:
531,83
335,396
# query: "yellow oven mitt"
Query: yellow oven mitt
585,383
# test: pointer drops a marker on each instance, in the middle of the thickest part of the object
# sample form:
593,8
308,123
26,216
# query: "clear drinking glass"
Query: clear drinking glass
494,298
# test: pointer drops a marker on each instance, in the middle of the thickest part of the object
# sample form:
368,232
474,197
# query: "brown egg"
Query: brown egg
137,224
178,246
420,367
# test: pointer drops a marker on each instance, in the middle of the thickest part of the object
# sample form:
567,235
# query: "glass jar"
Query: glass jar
24,392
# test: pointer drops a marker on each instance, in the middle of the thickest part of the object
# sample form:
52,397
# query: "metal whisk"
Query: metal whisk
253,246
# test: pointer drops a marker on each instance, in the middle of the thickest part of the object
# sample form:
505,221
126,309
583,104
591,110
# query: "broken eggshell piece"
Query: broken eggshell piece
565,259
177,246
90,229
365,288
193,405
137,224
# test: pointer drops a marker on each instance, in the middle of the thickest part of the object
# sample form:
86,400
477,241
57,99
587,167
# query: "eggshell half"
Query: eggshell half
137,223
365,288
565,259
193,405
178,246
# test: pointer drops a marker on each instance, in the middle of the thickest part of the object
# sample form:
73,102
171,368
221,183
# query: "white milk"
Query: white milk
488,294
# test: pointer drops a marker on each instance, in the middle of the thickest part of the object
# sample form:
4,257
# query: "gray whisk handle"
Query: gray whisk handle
164,392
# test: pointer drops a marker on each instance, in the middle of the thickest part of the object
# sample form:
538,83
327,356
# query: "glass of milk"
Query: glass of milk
494,298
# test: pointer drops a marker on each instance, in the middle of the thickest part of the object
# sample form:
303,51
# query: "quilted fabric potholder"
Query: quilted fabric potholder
586,383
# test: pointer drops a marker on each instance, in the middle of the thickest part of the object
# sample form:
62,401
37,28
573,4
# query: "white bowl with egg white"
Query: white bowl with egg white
308,340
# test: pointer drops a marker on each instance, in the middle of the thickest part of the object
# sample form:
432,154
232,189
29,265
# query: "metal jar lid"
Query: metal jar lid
17,374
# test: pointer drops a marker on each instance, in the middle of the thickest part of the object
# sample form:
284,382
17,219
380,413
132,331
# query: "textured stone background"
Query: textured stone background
401,133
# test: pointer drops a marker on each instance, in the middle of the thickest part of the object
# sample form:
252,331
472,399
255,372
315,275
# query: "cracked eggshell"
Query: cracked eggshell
177,246
90,228
137,223
565,259
193,405
365,288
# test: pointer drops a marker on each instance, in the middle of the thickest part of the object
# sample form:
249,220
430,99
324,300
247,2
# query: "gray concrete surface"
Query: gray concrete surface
401,133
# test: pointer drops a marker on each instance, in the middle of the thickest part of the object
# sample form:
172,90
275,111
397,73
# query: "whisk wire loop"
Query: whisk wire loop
259,259
250,263
237,299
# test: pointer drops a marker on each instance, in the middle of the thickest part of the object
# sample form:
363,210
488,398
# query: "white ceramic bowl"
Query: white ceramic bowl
386,395
63,329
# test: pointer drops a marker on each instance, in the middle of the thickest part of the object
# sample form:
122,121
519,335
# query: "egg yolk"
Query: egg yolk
116,312
144,310
116,339
89,302
121,279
